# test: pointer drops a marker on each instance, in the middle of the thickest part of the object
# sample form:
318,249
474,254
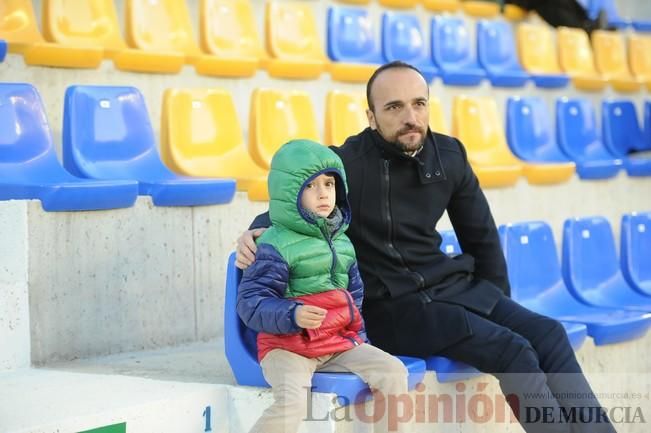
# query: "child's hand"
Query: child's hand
309,316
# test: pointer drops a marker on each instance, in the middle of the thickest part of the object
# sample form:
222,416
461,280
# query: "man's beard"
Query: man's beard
408,147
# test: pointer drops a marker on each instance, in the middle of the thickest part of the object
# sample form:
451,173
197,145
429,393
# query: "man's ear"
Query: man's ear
371,118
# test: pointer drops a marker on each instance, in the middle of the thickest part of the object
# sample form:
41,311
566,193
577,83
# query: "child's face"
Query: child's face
319,195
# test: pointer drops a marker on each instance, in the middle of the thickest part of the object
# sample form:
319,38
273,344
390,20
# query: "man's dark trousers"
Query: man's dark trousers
529,354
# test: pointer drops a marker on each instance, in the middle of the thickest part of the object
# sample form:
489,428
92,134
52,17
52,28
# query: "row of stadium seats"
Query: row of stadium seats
488,8
473,8
83,35
108,137
601,302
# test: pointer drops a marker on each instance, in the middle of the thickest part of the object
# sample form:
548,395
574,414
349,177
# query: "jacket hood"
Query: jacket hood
294,165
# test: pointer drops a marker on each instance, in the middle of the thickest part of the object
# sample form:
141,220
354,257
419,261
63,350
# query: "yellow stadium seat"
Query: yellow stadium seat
514,12
537,52
345,116
442,5
437,121
536,48
575,54
610,56
277,117
161,33
484,9
400,4
227,30
293,42
639,55
476,123
19,28
201,136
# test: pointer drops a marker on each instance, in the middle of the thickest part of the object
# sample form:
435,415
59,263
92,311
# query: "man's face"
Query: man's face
401,111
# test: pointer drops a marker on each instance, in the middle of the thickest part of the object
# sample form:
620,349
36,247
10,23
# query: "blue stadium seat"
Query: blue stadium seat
623,136
537,284
352,44
647,125
576,332
636,251
641,26
107,135
29,168
614,19
497,54
403,39
591,267
579,138
530,132
242,354
453,52
3,49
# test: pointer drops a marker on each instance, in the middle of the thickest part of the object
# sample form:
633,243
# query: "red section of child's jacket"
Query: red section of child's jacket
337,333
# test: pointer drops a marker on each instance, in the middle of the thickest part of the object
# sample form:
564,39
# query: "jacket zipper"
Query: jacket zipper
334,255
387,210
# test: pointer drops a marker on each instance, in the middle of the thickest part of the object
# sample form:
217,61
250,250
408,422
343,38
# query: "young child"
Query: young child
303,293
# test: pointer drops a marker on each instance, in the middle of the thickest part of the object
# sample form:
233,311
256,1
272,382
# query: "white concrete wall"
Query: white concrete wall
14,306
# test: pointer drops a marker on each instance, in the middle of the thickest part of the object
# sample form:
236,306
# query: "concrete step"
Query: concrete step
189,389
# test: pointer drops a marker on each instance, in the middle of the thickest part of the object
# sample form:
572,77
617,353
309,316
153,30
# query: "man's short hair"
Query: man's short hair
391,65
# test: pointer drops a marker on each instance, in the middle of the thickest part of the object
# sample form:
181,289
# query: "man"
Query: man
420,302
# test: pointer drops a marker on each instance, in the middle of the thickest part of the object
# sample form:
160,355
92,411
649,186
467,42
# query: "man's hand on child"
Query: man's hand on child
309,316
246,248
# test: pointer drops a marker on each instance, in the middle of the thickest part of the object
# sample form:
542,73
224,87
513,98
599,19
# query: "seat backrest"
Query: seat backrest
577,131
345,116
530,131
239,341
449,243
107,134
161,25
451,44
352,36
26,151
89,23
437,120
610,54
442,5
276,117
532,261
589,254
636,249
639,55
227,29
536,48
621,129
403,39
198,125
402,4
647,124
476,122
291,31
496,45
18,24
575,51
